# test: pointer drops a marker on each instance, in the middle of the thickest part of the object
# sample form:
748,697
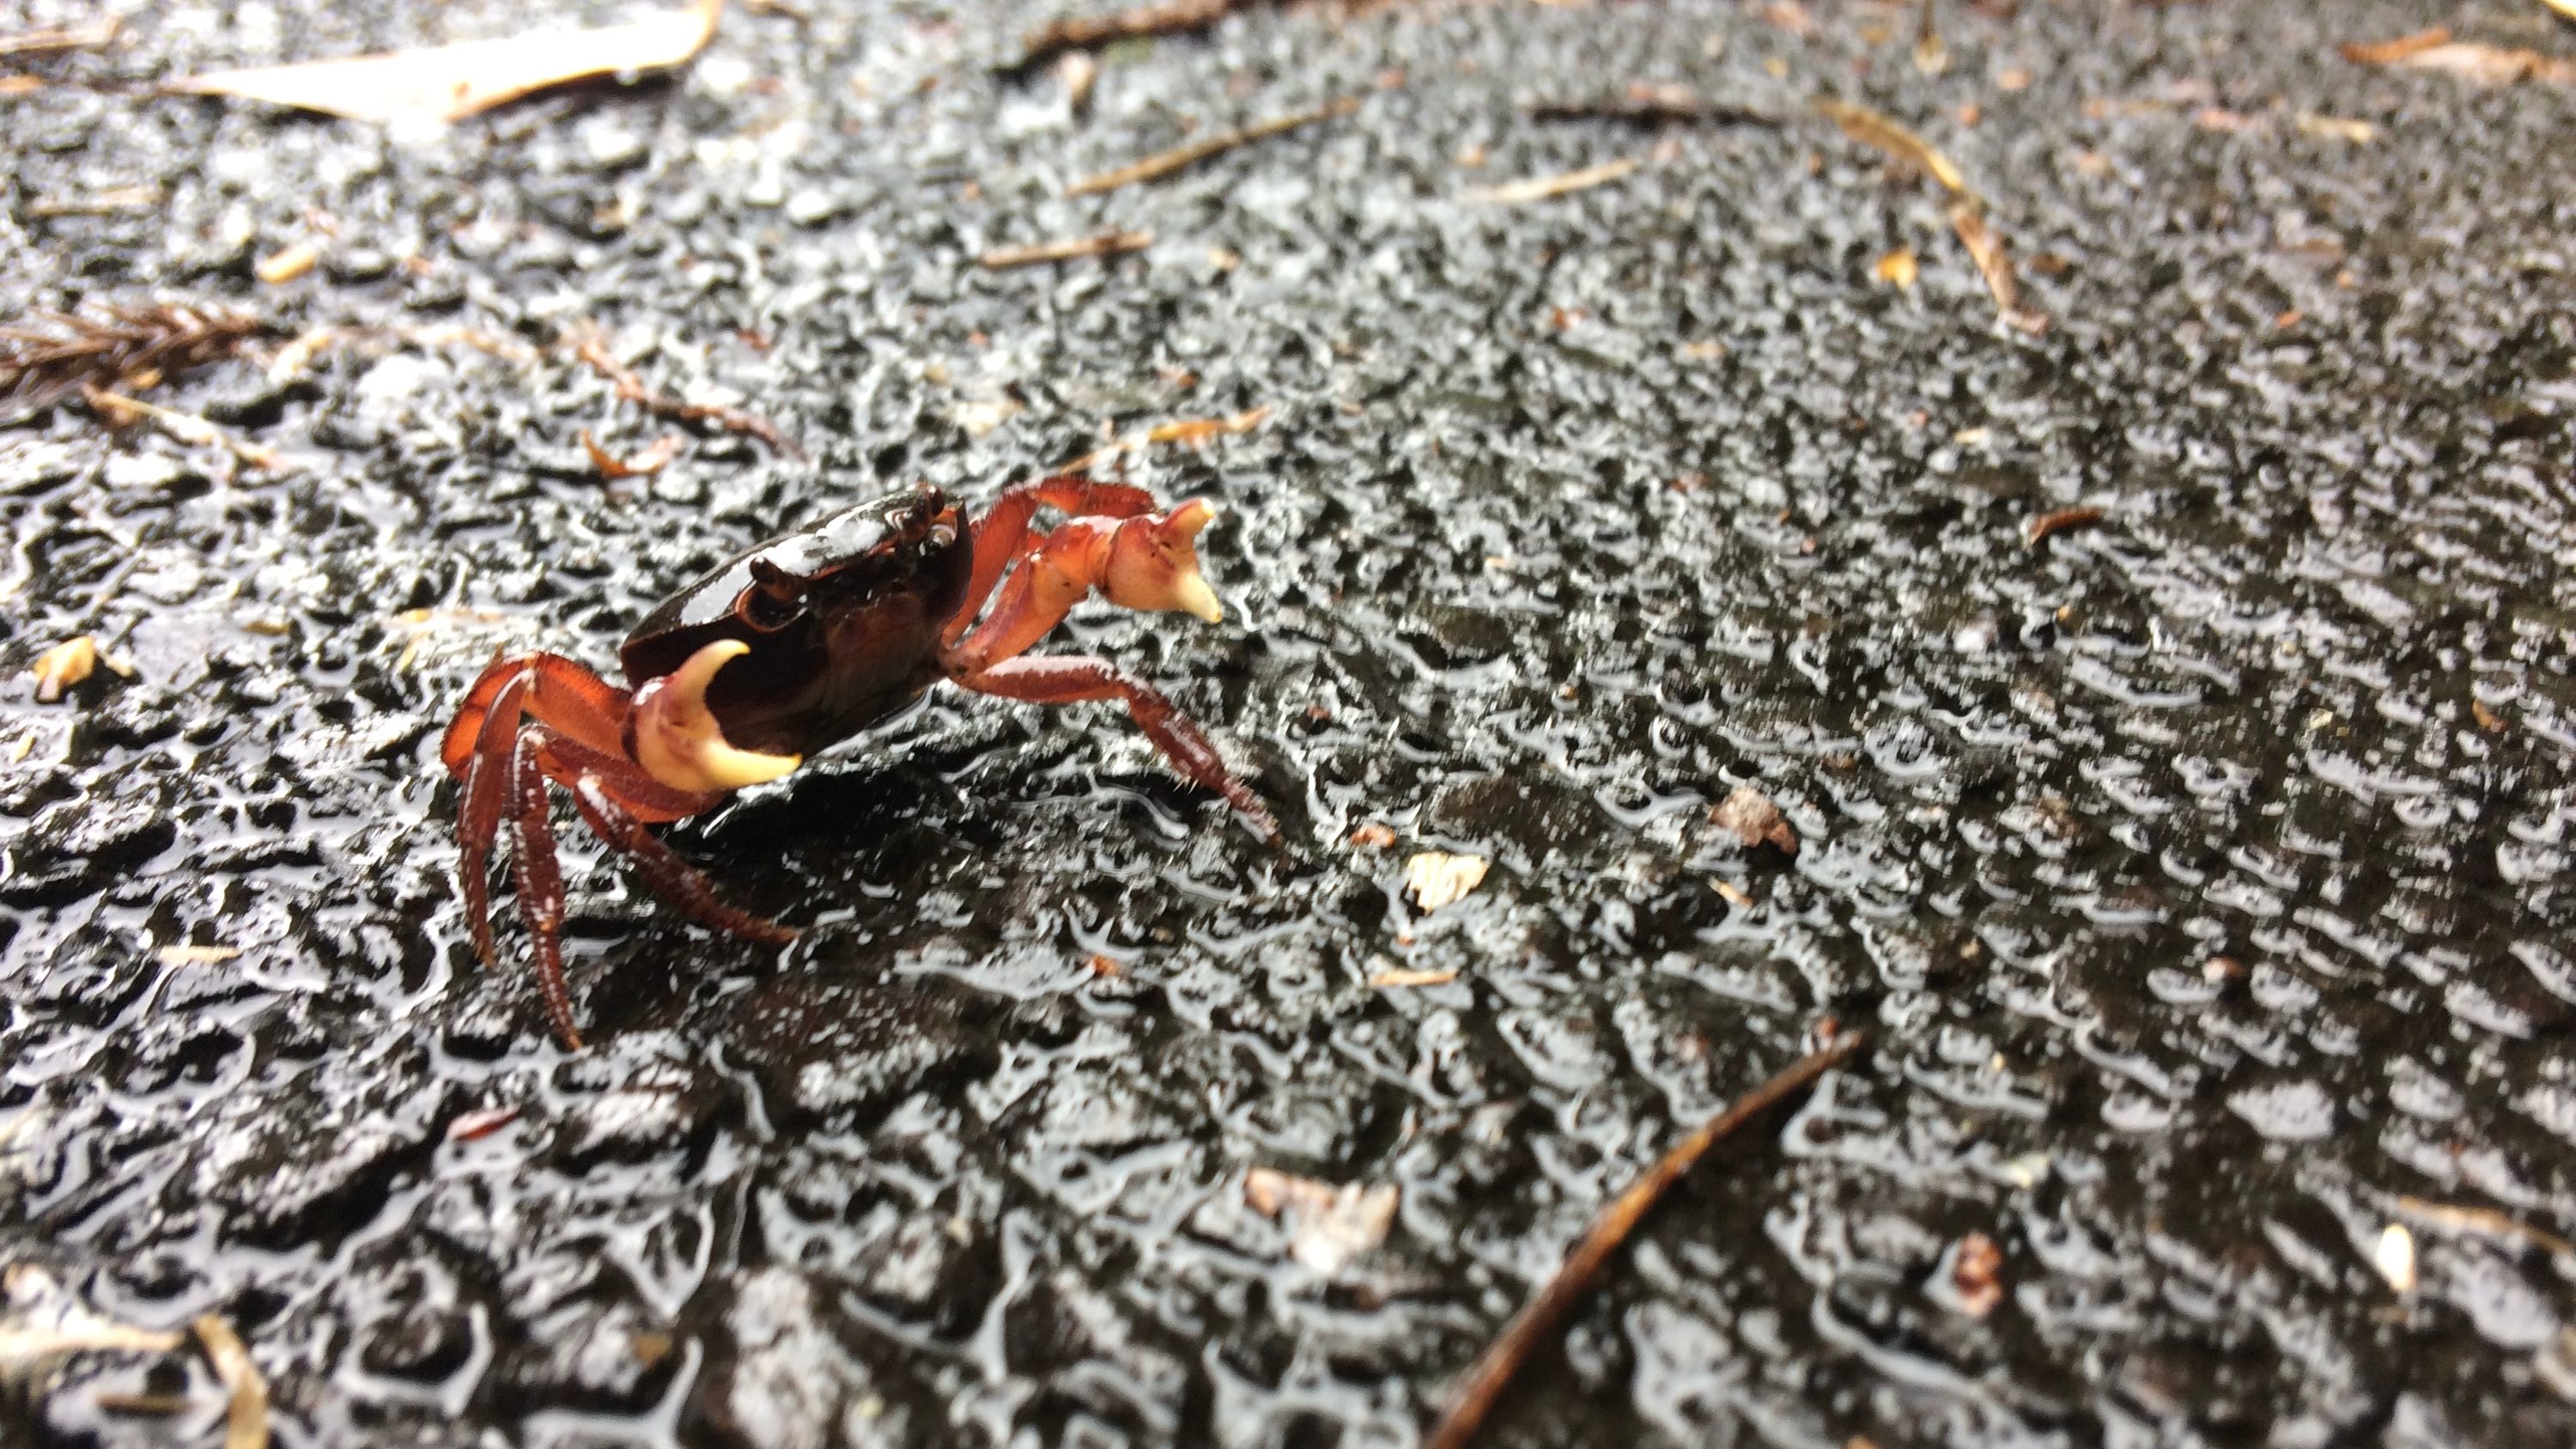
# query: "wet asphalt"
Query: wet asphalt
2200,865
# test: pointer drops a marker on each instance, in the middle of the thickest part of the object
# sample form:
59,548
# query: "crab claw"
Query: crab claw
1154,563
678,741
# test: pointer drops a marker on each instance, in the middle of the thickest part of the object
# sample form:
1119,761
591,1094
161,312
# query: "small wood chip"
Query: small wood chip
197,955
246,1419
2060,521
1734,895
475,1126
1898,269
1372,836
1976,1274
1386,979
2389,52
2492,65
2336,128
1540,188
1439,879
1165,163
290,261
2488,720
1098,244
643,465
1753,819
64,666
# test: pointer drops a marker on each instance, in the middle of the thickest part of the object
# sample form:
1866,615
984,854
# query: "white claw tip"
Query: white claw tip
678,740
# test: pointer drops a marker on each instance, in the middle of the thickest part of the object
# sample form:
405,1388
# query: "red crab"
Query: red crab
826,630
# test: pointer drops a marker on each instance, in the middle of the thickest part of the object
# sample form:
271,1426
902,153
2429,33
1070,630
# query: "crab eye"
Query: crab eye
942,535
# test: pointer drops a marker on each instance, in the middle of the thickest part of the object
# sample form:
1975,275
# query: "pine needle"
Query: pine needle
53,355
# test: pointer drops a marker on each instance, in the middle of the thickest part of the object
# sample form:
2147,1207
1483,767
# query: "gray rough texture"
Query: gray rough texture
2205,872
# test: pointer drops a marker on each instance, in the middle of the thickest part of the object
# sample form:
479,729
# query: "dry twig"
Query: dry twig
2058,522
1872,129
1652,105
1540,188
1098,244
1485,1382
1164,164
1191,432
186,427
1171,18
246,1418
69,37
632,389
57,354
1994,263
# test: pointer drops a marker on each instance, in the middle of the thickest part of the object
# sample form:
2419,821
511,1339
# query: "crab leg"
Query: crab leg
616,799
1064,680
1002,534
1139,563
559,691
487,769
540,882
671,878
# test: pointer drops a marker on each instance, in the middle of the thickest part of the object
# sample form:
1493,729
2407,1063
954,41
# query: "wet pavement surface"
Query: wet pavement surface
2203,872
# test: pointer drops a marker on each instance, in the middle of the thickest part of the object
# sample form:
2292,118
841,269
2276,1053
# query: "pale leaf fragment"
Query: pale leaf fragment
1439,879
443,83
1329,1227
196,955
1751,817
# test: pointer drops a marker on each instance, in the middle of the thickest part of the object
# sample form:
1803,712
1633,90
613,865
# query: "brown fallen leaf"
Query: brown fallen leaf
1753,819
1897,269
1437,878
1994,263
246,1418
2389,52
1540,188
1176,159
1872,129
1098,244
1372,836
442,83
2488,720
1330,1227
643,465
